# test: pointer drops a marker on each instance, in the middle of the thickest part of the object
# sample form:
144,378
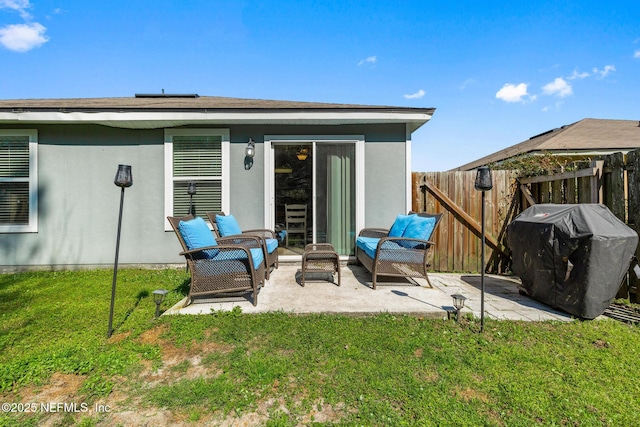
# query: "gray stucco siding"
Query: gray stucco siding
247,186
385,181
385,169
78,202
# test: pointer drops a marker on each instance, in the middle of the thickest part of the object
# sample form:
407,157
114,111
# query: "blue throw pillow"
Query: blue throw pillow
228,225
400,224
420,228
196,234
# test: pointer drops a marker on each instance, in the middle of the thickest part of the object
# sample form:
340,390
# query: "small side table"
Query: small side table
320,257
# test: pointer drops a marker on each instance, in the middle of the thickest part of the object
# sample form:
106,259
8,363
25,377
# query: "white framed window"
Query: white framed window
18,181
200,156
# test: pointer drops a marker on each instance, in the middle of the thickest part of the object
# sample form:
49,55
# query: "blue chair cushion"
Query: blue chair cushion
228,225
420,228
235,255
196,234
400,224
258,257
272,245
368,245
390,250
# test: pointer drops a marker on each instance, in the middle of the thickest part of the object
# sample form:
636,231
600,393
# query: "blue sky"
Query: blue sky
497,72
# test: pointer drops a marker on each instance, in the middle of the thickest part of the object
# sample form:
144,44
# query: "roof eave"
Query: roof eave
163,119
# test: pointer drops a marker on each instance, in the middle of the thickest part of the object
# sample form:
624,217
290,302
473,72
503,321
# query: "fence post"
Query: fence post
633,212
596,182
615,188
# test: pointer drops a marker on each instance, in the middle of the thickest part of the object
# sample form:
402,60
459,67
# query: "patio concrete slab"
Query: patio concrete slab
283,292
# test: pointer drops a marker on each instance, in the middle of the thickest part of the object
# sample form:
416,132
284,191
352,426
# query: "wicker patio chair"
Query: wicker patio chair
397,255
228,266
268,240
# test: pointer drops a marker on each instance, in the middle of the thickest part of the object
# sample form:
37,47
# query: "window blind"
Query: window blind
197,156
208,197
14,156
14,203
14,180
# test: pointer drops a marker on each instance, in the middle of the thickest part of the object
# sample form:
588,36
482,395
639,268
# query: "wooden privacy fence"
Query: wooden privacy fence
458,237
613,180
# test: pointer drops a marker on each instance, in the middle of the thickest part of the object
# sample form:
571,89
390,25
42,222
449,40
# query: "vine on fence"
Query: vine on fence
546,163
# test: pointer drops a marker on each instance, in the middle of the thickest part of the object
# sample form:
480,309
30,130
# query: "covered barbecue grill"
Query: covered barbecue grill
571,257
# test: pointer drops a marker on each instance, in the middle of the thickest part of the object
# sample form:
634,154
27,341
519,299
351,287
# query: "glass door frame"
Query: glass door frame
269,179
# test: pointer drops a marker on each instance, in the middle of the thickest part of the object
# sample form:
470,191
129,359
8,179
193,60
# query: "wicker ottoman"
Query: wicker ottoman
318,258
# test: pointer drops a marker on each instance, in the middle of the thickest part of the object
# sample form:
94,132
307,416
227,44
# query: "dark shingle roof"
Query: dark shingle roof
587,135
166,110
188,102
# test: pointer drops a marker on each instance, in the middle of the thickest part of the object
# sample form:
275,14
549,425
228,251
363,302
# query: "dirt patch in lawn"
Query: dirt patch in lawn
126,405
61,388
180,362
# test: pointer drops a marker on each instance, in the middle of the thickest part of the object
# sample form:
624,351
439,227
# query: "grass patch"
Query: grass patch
277,369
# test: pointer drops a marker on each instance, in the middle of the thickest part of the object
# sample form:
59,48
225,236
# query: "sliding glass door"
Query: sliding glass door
317,181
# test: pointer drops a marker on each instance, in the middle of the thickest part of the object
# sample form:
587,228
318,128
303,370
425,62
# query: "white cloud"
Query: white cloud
23,37
604,72
512,93
636,54
558,87
556,106
577,75
466,83
369,60
419,94
19,6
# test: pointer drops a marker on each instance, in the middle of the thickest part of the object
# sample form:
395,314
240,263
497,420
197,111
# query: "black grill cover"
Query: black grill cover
571,257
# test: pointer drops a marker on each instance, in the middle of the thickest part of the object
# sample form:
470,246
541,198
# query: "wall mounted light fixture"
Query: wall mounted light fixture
249,153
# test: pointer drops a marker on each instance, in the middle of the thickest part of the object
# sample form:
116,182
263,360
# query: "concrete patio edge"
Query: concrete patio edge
284,293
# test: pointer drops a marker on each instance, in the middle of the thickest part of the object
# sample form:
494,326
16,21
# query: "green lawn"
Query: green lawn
278,369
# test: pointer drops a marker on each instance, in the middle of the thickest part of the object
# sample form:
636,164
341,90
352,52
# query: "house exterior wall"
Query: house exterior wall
385,183
385,170
78,202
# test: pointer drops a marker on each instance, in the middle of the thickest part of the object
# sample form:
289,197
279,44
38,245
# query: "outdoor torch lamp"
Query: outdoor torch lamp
483,183
483,179
123,180
458,303
158,298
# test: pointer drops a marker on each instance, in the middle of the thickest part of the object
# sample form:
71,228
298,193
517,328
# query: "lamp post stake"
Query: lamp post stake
483,183
482,272
191,190
123,179
115,267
